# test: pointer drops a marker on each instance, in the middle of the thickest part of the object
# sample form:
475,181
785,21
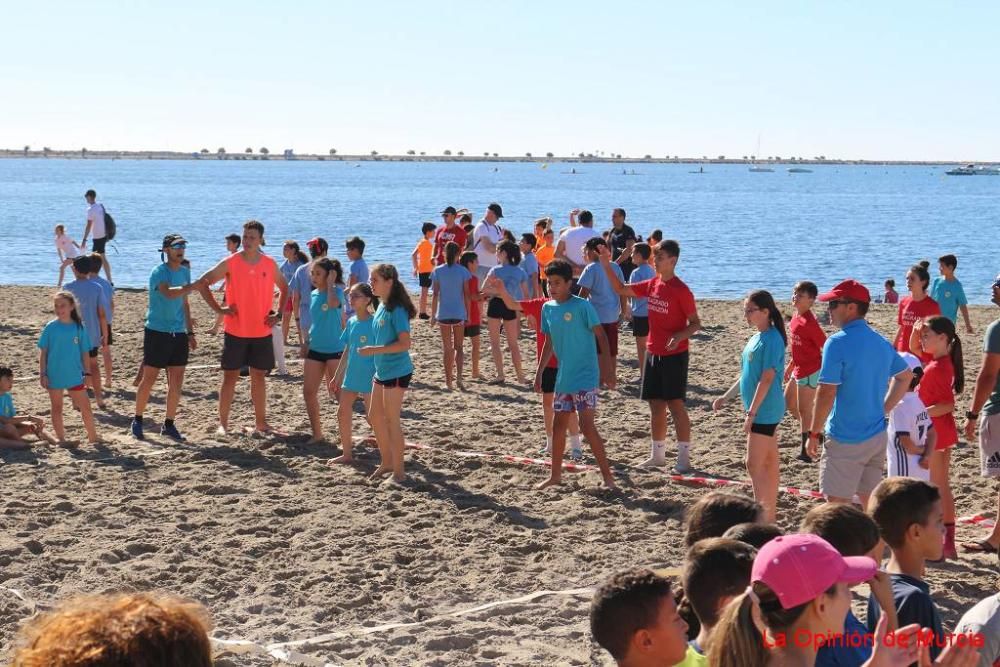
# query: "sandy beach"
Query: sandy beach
281,548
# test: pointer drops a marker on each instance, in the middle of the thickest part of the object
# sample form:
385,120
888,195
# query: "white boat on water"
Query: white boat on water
799,170
973,170
756,168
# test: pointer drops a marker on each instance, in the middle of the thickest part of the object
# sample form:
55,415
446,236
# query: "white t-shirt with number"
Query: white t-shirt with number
95,216
910,418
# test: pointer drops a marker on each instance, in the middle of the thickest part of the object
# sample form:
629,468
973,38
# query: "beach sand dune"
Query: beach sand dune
281,548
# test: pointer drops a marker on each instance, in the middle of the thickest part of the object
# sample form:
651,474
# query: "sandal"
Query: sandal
979,546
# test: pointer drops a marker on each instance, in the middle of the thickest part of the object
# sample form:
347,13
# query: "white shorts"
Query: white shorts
902,464
989,444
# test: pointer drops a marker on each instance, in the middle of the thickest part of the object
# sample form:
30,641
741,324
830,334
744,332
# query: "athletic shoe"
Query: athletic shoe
576,454
172,433
137,429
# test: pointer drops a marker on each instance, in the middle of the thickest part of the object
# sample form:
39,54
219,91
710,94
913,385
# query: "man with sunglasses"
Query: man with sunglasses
985,410
861,379
169,334
447,233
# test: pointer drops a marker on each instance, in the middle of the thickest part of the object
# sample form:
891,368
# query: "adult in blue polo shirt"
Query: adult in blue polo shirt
168,336
862,378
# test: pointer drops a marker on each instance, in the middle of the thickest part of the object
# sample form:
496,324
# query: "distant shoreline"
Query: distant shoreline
313,157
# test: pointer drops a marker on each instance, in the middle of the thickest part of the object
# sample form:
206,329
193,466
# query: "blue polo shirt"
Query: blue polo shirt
861,362
570,327
949,296
602,296
302,283
90,297
765,350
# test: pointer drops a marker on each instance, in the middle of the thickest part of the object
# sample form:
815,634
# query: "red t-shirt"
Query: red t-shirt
807,340
909,312
443,236
533,308
936,387
475,319
671,305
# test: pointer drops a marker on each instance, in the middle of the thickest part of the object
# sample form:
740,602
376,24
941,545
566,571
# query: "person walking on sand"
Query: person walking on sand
485,239
861,380
251,278
168,336
95,225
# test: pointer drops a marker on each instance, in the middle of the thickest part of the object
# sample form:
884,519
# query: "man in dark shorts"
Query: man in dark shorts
169,334
95,226
251,278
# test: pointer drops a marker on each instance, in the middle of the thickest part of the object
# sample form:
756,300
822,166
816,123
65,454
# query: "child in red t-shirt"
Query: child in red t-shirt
673,319
806,339
473,326
532,309
914,307
937,344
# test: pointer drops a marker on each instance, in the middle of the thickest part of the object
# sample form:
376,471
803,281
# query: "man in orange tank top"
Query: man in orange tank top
251,277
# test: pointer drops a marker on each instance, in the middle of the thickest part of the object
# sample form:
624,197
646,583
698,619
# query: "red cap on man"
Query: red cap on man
850,289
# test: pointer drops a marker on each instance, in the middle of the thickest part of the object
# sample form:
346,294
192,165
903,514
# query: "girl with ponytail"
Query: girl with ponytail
914,307
937,344
780,617
762,362
393,367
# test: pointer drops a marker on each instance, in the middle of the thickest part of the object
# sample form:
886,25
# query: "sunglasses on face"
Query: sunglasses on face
834,304
178,246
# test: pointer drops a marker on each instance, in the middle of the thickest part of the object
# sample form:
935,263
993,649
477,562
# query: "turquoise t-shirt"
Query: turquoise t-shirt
360,370
570,327
387,325
949,296
602,295
7,406
448,283
64,344
764,350
324,332
163,314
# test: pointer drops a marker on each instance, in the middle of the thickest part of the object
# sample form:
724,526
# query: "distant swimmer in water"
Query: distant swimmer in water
572,171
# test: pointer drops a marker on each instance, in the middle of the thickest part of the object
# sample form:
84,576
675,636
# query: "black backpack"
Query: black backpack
110,228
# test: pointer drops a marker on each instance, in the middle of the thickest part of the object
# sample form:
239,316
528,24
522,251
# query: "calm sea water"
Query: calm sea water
738,230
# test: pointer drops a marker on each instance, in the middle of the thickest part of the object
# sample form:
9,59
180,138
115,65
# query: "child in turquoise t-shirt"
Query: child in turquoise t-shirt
762,363
14,427
354,375
949,293
64,349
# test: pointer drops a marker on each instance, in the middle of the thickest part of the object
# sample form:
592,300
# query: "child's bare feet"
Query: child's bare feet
342,459
315,440
381,471
551,481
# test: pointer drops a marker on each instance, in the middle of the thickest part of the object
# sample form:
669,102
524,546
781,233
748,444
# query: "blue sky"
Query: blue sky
891,80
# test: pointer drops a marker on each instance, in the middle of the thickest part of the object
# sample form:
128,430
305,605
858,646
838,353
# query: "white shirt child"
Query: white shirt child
908,418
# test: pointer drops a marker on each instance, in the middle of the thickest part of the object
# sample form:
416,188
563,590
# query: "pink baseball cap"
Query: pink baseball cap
798,568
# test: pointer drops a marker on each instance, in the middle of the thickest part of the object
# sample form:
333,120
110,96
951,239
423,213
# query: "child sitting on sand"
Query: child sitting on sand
633,617
572,327
68,250
64,350
14,427
390,347
355,375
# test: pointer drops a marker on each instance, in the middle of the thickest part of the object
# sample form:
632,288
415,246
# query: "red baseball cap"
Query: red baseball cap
799,568
849,289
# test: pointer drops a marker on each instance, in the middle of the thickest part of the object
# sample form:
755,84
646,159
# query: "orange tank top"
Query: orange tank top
249,287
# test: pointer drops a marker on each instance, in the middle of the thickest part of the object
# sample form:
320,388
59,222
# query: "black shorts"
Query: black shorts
764,429
323,357
97,245
424,279
549,380
164,350
94,351
450,322
665,378
473,330
640,326
403,382
499,311
257,353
